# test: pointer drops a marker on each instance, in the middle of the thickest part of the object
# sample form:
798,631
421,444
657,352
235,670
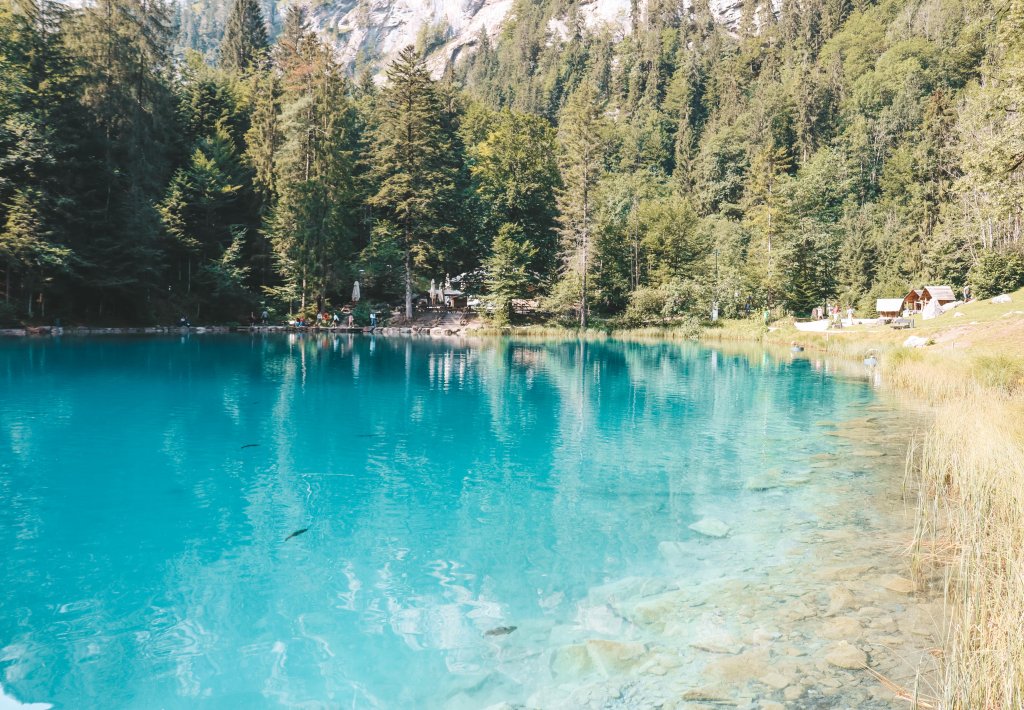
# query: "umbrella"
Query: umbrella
355,292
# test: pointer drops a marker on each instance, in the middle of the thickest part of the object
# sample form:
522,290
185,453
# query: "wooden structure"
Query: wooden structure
917,299
889,307
455,299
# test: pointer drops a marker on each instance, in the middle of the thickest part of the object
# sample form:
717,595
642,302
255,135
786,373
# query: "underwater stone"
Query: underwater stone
710,527
846,655
895,583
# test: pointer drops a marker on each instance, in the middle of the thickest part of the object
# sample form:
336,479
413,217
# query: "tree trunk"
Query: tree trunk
7,284
408,283
586,253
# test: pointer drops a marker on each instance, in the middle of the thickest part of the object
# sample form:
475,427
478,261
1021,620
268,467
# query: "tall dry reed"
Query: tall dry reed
970,466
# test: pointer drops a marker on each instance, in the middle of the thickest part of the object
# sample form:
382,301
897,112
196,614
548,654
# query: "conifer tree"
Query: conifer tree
408,160
245,37
507,269
582,153
310,225
26,246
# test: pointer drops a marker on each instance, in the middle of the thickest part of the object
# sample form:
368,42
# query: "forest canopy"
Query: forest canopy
821,151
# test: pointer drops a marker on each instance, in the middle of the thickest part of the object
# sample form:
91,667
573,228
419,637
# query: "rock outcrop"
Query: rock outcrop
373,31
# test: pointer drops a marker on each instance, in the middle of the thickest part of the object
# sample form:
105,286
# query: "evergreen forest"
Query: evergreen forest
821,151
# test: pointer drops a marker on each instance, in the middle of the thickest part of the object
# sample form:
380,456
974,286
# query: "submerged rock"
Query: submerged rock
895,583
656,611
839,598
613,657
676,553
629,588
707,695
710,527
571,662
846,655
775,680
842,627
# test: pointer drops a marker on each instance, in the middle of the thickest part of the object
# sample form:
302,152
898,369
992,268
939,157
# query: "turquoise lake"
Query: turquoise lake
450,490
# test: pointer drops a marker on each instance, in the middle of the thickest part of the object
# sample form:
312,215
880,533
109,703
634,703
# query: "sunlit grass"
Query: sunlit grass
971,469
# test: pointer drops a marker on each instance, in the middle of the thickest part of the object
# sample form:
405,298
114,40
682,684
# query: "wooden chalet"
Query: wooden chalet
917,299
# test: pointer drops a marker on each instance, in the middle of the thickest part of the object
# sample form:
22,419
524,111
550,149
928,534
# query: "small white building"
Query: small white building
889,307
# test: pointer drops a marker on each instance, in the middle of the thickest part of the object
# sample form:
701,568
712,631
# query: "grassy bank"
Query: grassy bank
969,470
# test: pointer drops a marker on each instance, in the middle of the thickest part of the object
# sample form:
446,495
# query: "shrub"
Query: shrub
668,301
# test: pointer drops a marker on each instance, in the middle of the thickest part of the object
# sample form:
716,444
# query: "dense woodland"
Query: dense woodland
830,150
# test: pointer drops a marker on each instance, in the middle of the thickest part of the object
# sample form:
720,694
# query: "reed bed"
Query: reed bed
970,470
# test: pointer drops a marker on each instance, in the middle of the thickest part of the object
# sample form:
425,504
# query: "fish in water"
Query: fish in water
249,446
296,534
501,631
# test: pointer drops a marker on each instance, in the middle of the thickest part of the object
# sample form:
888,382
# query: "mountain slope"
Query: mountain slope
371,32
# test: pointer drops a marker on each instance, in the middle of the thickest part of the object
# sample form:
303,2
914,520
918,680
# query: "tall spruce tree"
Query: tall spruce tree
583,152
311,224
408,160
245,37
125,50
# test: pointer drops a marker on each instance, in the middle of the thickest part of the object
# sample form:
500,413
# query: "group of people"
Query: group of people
329,320
833,312
324,320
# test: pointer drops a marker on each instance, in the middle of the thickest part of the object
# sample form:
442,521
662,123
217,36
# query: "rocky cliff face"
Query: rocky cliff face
375,30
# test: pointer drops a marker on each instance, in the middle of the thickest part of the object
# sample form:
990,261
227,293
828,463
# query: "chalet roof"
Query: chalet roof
889,305
942,293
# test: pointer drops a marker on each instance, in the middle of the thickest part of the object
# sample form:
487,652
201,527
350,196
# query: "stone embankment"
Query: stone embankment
46,330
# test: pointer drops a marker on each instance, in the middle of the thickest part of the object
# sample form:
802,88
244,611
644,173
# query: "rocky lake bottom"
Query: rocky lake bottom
802,601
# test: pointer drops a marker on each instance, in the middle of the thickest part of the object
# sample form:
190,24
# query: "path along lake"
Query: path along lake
485,521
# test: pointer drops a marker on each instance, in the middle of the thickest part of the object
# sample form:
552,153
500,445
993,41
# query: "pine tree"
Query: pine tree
124,46
204,211
583,152
263,139
27,247
310,225
767,213
244,46
507,269
408,160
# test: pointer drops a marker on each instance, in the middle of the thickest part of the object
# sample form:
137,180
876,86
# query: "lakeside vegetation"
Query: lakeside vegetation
968,470
830,151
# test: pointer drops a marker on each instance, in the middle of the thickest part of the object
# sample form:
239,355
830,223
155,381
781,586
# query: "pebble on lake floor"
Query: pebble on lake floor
710,527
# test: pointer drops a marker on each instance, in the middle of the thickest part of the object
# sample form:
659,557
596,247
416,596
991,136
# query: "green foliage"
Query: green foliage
995,273
508,275
841,150
408,161
244,46
654,305
582,156
515,171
